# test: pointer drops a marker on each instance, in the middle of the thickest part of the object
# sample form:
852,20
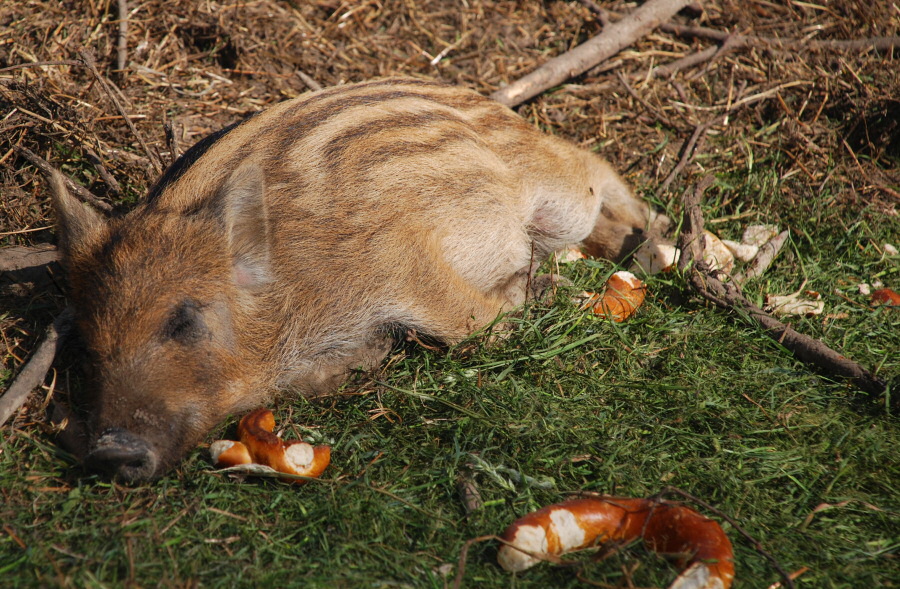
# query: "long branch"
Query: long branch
728,296
610,41
91,64
18,257
877,43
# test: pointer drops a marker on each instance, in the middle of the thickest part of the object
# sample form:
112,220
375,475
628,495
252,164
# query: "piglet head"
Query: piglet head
164,301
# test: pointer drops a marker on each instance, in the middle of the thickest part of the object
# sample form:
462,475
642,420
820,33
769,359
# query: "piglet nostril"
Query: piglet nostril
122,455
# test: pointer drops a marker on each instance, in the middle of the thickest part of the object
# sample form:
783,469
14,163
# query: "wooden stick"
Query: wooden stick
45,167
122,49
108,178
468,490
660,116
613,39
764,257
21,257
36,368
876,43
687,151
602,15
309,81
757,545
728,296
19,66
685,62
734,42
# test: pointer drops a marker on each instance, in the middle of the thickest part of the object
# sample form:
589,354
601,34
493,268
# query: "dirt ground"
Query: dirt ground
197,66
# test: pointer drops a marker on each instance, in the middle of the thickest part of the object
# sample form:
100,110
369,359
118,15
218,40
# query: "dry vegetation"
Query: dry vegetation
796,133
822,115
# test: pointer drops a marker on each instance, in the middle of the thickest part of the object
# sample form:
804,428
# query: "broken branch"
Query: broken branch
122,46
687,152
876,43
610,41
765,257
310,82
91,64
728,296
757,545
17,258
36,368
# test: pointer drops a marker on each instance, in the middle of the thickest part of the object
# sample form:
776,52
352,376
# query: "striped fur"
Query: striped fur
294,246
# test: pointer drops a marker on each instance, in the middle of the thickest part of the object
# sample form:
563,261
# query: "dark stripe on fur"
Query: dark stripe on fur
295,124
188,158
333,153
304,119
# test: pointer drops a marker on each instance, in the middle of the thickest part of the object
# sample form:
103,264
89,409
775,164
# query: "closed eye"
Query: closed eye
186,324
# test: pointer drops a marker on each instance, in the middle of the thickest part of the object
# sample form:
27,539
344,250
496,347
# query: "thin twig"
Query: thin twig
695,141
730,43
661,117
542,556
45,167
733,42
764,258
171,142
468,489
757,545
684,63
602,15
792,576
889,191
464,554
91,64
687,152
108,178
40,64
122,49
309,81
876,43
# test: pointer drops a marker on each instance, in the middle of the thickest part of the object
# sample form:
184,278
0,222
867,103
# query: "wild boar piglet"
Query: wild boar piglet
284,251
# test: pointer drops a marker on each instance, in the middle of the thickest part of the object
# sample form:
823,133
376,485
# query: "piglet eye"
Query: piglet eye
186,324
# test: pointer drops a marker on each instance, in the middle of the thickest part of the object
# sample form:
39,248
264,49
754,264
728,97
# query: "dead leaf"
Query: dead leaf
792,304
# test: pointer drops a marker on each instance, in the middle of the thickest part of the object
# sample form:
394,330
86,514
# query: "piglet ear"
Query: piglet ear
243,207
76,220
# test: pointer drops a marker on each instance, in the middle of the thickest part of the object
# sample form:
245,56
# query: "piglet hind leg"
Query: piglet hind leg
578,198
625,222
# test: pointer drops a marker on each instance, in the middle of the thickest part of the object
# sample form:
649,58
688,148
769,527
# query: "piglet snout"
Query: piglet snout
123,455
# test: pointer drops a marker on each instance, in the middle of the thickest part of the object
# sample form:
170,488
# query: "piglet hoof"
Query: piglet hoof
543,287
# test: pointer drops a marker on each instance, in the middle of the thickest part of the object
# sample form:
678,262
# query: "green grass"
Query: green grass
683,394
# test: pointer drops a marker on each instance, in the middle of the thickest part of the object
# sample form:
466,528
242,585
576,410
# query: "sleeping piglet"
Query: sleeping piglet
286,250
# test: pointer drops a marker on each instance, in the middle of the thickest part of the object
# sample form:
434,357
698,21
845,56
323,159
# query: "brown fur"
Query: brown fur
297,245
